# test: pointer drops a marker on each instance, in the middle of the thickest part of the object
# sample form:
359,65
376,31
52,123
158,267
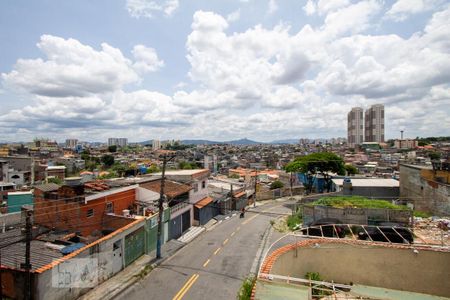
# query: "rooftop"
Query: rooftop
172,189
369,182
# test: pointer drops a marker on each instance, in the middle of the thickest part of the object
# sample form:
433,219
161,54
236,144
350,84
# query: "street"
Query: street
212,266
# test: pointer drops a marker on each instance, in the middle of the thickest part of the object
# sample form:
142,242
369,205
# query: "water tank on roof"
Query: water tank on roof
126,212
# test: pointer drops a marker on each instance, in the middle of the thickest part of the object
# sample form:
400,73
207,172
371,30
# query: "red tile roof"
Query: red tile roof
202,203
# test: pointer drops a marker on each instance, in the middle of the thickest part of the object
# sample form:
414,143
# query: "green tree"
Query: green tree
276,185
351,170
112,148
119,168
153,169
317,163
434,155
107,160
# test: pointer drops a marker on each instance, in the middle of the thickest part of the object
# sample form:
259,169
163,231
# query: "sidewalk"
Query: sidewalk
133,273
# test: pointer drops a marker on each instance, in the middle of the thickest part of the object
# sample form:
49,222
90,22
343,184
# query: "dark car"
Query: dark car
327,228
394,232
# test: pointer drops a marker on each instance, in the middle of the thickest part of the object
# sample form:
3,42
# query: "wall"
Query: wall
102,250
72,214
419,187
384,193
364,216
16,200
395,267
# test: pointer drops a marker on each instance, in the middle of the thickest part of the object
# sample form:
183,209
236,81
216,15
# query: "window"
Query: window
203,184
109,207
90,212
195,187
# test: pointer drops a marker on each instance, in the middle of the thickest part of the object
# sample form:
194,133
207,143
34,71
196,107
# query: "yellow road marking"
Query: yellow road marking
233,233
248,220
217,251
226,241
206,263
186,287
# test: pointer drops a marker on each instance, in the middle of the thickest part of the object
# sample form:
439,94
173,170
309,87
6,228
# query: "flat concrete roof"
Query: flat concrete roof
375,182
183,172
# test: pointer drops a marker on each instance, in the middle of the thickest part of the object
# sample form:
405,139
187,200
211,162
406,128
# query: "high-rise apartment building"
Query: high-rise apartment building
374,124
71,143
355,127
156,144
120,142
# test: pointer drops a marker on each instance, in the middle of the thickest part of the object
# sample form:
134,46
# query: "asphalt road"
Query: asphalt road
214,265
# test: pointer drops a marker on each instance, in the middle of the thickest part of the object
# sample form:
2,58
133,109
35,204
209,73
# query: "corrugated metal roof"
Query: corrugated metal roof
41,255
48,187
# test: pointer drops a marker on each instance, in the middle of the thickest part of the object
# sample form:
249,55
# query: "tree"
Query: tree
107,160
434,155
351,170
317,163
153,169
112,148
276,185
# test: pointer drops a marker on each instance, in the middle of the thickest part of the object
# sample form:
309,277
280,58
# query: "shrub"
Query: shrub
276,185
245,292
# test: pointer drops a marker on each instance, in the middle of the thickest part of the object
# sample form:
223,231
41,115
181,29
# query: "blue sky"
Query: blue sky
221,70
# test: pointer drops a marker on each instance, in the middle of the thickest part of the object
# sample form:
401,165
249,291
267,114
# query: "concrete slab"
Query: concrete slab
274,291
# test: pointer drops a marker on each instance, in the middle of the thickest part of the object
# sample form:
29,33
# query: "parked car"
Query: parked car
327,228
392,231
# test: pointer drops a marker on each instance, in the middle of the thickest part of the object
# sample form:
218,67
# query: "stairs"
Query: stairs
191,234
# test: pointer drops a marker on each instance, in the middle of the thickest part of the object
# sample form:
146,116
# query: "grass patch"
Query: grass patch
356,202
144,272
245,292
317,292
293,220
421,214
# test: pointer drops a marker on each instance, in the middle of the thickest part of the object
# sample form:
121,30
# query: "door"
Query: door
186,220
175,228
134,246
117,256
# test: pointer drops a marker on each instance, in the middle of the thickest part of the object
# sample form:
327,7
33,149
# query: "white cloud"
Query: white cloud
354,18
322,7
403,9
234,16
147,8
273,6
74,69
310,7
146,59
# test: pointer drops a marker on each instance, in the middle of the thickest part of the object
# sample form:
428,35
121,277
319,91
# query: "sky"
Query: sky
221,70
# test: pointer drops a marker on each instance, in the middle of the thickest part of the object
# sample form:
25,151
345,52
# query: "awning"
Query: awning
239,195
202,203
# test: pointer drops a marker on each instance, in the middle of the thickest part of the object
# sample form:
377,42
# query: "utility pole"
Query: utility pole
256,183
27,265
160,206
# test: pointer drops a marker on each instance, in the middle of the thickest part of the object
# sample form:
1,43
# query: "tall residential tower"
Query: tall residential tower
374,124
355,124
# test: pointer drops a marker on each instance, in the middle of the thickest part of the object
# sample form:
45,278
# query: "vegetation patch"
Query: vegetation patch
355,202
245,292
318,291
294,221
144,272
422,214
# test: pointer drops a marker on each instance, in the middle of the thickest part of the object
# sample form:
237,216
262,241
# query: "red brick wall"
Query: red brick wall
72,214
